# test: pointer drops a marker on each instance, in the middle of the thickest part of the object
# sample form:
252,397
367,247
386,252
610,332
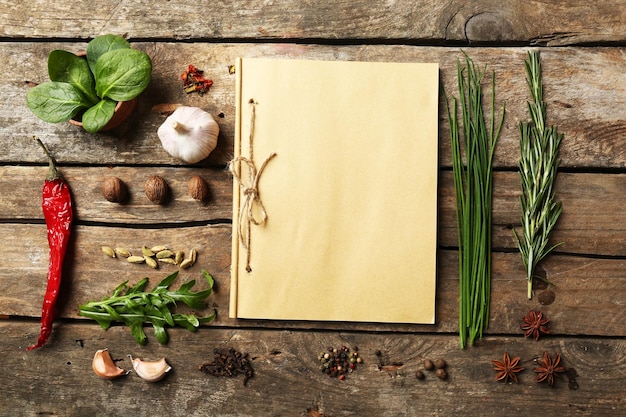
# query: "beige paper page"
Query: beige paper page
351,196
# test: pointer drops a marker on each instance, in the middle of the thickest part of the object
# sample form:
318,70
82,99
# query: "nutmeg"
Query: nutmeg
198,188
114,190
157,189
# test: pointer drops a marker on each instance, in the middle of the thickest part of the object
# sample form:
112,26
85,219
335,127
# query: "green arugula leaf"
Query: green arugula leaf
135,307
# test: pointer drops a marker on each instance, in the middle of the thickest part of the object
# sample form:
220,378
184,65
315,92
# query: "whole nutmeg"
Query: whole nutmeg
157,189
440,363
114,190
198,188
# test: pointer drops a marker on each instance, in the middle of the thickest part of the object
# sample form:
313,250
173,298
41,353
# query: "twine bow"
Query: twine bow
250,191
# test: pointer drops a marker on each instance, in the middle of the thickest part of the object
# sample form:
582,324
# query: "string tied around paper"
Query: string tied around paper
250,191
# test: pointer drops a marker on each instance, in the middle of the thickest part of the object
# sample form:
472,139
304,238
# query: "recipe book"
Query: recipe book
335,191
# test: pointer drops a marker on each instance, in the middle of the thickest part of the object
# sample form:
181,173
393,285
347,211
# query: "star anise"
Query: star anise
534,324
549,368
507,368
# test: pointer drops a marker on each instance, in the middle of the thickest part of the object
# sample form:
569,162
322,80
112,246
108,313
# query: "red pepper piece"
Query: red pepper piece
57,211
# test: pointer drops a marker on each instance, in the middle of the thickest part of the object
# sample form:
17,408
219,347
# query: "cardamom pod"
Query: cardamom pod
158,248
164,254
185,264
167,261
179,257
108,251
151,262
146,251
193,255
136,259
122,252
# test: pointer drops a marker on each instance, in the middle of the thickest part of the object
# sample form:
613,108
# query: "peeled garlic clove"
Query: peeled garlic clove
151,371
104,366
189,134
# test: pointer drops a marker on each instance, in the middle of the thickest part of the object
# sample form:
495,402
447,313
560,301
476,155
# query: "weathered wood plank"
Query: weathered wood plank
582,87
552,23
287,380
592,221
21,188
589,291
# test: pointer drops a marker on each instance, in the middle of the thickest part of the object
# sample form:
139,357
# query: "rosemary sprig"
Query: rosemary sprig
134,306
473,189
538,165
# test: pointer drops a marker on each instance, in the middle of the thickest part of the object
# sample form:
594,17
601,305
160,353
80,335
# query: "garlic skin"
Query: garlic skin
104,367
151,371
189,134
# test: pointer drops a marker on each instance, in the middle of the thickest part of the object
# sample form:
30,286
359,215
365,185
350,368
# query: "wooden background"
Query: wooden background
584,60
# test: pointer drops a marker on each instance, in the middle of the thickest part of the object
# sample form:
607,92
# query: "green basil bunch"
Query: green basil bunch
91,87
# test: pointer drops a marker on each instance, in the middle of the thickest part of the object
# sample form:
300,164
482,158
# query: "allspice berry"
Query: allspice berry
440,363
420,375
429,365
114,190
441,374
157,189
198,188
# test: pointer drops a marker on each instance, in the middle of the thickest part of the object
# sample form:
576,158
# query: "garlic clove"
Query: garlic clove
104,366
151,371
189,133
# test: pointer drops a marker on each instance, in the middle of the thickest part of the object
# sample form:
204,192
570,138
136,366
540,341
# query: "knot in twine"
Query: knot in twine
250,191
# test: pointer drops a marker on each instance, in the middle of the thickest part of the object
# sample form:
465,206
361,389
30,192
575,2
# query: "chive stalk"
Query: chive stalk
538,165
473,186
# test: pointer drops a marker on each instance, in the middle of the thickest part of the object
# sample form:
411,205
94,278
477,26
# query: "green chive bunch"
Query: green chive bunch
538,165
473,188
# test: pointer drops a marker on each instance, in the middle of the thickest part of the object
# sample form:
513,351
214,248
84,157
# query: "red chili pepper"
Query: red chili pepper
57,210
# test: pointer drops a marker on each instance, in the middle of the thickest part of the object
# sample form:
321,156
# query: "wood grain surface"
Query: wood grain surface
583,57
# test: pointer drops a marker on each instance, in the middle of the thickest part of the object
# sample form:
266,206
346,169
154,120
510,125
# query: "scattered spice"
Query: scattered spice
429,365
420,375
549,368
58,213
440,364
441,374
154,256
507,368
229,363
534,324
194,80
336,363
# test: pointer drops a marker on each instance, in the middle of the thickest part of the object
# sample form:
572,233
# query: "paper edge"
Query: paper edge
234,268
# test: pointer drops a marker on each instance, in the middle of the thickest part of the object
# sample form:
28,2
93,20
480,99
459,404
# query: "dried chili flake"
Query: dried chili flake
194,81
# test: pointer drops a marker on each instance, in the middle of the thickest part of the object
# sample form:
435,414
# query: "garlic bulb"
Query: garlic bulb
189,134
151,371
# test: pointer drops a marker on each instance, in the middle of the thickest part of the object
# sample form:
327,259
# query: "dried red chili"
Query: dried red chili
193,80
57,211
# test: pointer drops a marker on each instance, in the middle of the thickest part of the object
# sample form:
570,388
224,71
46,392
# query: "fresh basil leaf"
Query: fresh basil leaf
68,68
55,102
101,45
96,117
122,74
